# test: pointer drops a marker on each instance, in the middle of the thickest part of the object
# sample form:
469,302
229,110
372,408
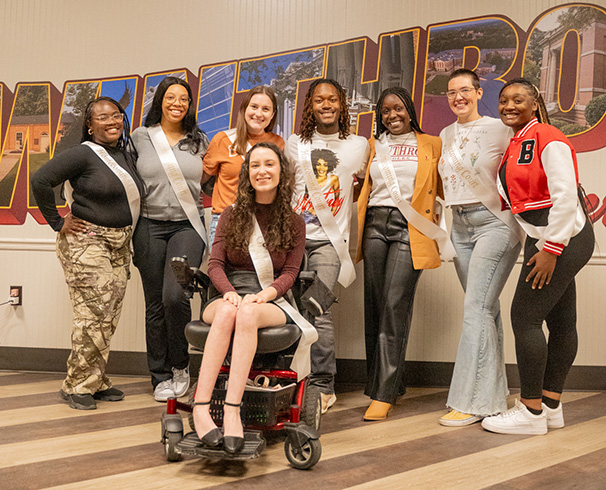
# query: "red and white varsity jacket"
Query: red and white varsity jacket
542,173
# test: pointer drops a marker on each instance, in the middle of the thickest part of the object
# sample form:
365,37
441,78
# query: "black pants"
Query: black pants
544,365
167,309
390,282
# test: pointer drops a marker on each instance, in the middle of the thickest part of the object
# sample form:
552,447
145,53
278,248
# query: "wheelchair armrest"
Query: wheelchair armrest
202,280
191,279
307,277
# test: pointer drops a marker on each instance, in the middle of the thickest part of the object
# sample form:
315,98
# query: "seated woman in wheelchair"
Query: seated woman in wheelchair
264,197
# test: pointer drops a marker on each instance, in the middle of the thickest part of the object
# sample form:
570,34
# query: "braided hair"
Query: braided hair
308,121
406,99
125,143
541,112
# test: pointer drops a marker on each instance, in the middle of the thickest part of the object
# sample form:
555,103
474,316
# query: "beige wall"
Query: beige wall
78,39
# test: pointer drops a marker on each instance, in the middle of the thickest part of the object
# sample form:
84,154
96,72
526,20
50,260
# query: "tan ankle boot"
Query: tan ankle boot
377,410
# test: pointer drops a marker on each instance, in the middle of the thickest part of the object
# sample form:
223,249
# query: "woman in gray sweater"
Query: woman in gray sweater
166,229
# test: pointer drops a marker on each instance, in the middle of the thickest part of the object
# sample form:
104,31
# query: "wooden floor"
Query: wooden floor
45,444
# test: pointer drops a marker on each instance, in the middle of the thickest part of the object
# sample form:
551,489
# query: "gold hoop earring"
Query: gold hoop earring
90,131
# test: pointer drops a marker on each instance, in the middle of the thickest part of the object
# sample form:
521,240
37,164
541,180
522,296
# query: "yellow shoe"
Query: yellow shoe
377,411
455,418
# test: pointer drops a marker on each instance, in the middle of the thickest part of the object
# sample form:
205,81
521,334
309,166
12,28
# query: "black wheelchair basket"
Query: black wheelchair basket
274,399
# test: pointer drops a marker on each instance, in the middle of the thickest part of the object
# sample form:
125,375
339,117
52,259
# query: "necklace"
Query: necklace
405,141
463,141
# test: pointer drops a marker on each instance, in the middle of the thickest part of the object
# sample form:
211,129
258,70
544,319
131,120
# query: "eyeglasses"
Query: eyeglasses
172,99
464,92
118,117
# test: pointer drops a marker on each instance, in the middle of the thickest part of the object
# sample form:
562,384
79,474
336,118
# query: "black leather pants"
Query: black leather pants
389,289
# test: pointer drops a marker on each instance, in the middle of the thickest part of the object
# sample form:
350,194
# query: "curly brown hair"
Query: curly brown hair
279,236
308,121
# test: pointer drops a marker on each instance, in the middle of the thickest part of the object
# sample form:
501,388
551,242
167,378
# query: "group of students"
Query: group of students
507,182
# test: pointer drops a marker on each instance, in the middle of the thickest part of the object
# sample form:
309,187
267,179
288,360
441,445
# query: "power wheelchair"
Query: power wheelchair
294,408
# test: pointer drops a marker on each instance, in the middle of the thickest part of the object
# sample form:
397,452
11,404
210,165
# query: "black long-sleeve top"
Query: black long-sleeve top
99,196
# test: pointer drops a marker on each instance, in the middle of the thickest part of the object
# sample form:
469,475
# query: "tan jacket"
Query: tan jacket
424,251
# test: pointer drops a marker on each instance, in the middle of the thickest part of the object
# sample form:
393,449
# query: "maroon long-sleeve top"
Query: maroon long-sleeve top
286,264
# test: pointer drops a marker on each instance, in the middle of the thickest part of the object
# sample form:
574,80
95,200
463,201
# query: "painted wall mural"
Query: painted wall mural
563,52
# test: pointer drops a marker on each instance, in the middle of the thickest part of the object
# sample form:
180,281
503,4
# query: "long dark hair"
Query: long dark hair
280,235
241,128
195,140
308,121
406,99
541,112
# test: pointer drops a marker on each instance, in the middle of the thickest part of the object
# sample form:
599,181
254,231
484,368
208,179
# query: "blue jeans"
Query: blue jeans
323,258
486,250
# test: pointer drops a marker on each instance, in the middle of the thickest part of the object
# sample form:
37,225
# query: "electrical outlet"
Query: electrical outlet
16,295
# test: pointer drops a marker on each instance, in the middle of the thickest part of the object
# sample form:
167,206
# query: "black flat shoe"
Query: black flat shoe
213,437
233,444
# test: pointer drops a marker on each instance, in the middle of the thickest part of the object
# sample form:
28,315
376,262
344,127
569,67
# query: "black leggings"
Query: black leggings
544,365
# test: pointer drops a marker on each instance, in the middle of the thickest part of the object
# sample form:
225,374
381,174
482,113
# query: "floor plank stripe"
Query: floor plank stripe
45,444
50,387
477,471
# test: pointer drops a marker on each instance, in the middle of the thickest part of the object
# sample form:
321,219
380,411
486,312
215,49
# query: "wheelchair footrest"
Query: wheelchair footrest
254,444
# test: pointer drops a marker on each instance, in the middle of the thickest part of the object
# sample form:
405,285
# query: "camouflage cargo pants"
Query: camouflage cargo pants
96,266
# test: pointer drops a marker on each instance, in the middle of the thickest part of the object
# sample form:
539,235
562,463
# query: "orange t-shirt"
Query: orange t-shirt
225,164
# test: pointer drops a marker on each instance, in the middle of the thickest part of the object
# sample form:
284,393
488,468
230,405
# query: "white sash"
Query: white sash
347,274
176,179
231,136
482,191
132,191
425,226
301,362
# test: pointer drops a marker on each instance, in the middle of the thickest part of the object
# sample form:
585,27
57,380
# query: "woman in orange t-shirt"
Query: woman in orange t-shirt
225,154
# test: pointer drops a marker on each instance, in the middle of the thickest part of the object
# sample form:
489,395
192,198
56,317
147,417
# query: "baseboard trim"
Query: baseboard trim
438,374
349,371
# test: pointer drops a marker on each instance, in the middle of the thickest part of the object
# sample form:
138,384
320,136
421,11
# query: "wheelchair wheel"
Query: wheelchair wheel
311,414
305,456
171,439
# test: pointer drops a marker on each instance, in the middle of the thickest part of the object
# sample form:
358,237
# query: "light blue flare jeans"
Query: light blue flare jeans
486,250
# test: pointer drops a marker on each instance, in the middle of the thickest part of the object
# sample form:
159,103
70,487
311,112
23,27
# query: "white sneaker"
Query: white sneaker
555,416
180,381
164,391
517,420
328,400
